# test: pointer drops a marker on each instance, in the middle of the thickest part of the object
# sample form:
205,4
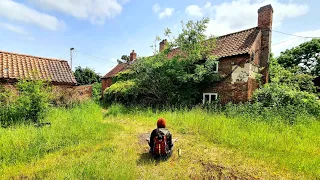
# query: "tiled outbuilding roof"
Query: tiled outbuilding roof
115,70
235,43
15,66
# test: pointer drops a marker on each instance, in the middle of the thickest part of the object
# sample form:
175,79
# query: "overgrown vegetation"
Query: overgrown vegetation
96,91
290,91
75,132
79,144
25,104
160,81
86,76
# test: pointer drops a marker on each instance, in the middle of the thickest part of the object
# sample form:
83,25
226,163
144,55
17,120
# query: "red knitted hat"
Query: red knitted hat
161,123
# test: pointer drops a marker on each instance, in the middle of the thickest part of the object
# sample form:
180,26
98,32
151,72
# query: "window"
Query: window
209,97
215,67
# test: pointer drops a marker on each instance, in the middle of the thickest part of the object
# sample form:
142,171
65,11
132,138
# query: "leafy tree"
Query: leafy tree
178,80
85,76
306,56
123,59
292,78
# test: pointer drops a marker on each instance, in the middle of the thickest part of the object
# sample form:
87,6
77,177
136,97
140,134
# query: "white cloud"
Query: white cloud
166,13
156,8
208,5
241,14
290,41
194,10
20,12
96,11
13,28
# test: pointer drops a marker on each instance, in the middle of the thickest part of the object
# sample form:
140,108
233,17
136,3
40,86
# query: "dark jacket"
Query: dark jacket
166,132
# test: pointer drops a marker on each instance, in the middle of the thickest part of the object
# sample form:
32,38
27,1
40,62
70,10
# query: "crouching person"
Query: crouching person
161,143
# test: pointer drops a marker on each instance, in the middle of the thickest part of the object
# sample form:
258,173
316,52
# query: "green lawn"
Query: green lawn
87,142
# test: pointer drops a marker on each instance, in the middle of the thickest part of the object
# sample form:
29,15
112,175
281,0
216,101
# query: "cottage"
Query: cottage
241,56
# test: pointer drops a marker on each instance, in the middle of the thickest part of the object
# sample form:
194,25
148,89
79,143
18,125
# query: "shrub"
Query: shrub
28,106
278,96
96,91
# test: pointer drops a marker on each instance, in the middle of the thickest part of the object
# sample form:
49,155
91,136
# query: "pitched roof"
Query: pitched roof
235,43
19,66
115,70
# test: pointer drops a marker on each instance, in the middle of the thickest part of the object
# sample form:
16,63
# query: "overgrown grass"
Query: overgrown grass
276,141
78,130
82,144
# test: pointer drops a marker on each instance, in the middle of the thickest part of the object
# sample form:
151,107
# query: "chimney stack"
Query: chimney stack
265,15
133,56
162,45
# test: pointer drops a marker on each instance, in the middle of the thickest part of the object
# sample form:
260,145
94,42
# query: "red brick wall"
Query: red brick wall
252,86
228,90
256,49
63,93
73,93
106,83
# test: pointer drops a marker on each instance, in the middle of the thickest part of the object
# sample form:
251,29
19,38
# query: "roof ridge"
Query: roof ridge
237,32
39,57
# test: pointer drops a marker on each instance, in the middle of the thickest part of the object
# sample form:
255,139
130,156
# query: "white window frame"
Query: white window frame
217,67
210,97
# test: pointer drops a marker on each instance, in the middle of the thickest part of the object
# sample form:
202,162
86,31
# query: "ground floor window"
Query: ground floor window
209,97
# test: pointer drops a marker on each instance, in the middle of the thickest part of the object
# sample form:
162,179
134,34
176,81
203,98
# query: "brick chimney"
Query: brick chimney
265,15
162,45
133,56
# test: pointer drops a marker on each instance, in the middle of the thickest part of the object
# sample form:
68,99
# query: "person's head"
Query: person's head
161,123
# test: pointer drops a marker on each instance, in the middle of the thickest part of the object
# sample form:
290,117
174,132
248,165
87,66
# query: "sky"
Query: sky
101,31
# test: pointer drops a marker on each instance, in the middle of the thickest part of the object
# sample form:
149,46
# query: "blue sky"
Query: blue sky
108,29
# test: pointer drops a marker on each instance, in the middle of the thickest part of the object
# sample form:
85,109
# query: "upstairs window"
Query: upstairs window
209,97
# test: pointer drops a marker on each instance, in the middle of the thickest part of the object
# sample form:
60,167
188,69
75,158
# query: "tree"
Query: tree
292,78
179,80
306,56
123,59
85,76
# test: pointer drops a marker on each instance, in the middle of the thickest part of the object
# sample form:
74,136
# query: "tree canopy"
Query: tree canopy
85,76
123,59
306,56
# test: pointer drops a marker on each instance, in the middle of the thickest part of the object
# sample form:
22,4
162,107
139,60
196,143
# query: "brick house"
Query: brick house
14,67
241,55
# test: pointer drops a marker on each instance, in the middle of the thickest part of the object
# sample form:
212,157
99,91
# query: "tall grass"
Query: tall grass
265,135
79,126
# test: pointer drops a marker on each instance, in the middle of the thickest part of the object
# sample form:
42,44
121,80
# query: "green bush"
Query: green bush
28,105
96,91
277,96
